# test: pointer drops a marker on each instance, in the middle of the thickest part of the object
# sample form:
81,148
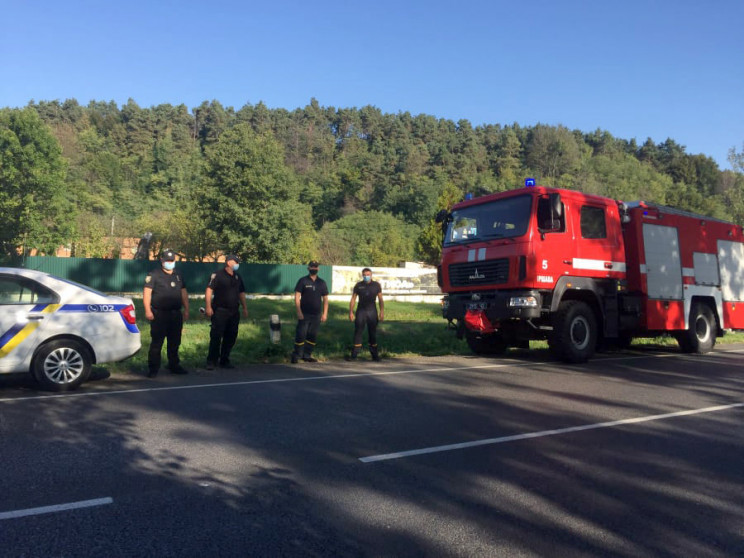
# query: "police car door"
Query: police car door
24,305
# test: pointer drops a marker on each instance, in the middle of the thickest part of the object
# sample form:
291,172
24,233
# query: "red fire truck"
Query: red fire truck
587,272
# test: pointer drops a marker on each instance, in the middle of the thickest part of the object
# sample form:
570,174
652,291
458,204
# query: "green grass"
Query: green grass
410,329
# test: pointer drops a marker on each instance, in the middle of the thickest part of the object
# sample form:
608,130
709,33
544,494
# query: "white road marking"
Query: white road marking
57,508
541,434
503,364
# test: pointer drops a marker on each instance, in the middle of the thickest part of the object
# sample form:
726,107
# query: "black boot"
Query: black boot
375,354
354,353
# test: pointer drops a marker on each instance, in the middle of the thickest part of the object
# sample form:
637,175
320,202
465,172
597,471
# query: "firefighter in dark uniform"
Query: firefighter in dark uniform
228,290
166,307
311,303
368,292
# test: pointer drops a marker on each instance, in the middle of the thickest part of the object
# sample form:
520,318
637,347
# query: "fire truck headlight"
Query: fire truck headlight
523,302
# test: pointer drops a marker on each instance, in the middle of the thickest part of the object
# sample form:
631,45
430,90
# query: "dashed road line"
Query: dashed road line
541,434
56,508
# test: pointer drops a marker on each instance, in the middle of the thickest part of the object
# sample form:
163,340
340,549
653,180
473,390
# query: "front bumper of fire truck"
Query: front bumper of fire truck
498,306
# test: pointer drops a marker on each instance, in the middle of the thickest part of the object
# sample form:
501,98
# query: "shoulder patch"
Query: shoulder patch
148,279
213,275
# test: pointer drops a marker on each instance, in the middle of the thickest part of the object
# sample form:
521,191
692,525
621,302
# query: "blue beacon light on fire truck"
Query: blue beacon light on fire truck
529,182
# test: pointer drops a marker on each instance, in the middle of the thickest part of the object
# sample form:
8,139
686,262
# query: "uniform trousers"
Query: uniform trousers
166,325
365,317
223,334
306,334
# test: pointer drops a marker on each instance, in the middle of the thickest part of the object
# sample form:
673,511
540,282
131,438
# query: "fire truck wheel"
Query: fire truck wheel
485,343
701,337
574,337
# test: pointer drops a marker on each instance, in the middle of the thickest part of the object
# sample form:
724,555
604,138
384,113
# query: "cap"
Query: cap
168,256
313,264
233,257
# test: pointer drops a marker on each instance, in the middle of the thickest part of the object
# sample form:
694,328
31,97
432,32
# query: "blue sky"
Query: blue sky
638,69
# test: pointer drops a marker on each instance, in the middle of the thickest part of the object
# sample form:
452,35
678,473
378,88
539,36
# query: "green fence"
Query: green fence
128,276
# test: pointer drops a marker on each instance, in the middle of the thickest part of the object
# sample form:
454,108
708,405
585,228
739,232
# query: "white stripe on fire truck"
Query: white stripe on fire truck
598,265
479,256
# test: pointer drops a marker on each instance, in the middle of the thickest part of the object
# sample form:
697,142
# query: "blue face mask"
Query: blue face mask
170,266
235,267
367,278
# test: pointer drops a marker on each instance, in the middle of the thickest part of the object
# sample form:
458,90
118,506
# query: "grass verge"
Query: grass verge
410,329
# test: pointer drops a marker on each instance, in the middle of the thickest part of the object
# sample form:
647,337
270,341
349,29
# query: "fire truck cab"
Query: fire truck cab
585,272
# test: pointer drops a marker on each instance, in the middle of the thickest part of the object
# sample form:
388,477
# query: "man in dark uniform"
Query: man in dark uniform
369,292
164,296
311,303
229,292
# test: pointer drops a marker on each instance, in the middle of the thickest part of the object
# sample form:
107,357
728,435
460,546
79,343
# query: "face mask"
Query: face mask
313,271
235,267
367,278
170,266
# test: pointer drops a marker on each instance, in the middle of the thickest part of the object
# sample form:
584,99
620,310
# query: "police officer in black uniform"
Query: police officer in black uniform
311,303
369,292
164,296
227,288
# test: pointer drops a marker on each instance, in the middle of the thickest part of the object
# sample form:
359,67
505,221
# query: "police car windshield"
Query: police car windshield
507,218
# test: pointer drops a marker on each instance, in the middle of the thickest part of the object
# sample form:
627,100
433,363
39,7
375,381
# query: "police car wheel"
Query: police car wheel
61,365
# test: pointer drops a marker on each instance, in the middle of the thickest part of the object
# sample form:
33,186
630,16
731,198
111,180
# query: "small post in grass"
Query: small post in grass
275,329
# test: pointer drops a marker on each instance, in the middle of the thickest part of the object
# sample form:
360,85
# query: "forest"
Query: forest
351,186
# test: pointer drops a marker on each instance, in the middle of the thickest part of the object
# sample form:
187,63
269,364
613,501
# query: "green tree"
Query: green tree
250,197
35,209
367,238
736,159
553,151
429,242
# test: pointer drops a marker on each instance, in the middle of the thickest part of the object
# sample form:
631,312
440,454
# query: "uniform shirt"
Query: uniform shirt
311,294
367,293
166,289
227,289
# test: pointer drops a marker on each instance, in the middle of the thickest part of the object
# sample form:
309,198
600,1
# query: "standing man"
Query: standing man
369,292
311,303
229,292
164,296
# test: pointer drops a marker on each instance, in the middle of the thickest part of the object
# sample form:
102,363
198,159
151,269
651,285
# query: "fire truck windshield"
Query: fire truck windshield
506,218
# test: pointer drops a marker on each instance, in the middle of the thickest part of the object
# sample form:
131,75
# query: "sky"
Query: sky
637,69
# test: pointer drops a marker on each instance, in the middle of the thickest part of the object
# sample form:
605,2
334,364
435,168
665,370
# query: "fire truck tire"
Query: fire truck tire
485,343
574,337
701,337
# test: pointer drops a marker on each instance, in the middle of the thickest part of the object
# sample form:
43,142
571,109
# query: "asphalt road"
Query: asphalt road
633,454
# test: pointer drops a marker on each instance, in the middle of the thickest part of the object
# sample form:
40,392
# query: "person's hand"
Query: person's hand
209,312
245,312
324,317
382,315
300,315
149,315
185,315
351,316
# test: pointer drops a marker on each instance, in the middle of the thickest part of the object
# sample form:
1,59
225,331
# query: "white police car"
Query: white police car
56,329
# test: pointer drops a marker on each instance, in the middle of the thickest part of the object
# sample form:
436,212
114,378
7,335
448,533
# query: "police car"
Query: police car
56,329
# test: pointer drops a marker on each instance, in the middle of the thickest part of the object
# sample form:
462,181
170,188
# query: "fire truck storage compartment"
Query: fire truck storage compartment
663,266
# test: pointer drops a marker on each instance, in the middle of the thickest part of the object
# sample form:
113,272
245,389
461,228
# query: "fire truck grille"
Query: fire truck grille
490,272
